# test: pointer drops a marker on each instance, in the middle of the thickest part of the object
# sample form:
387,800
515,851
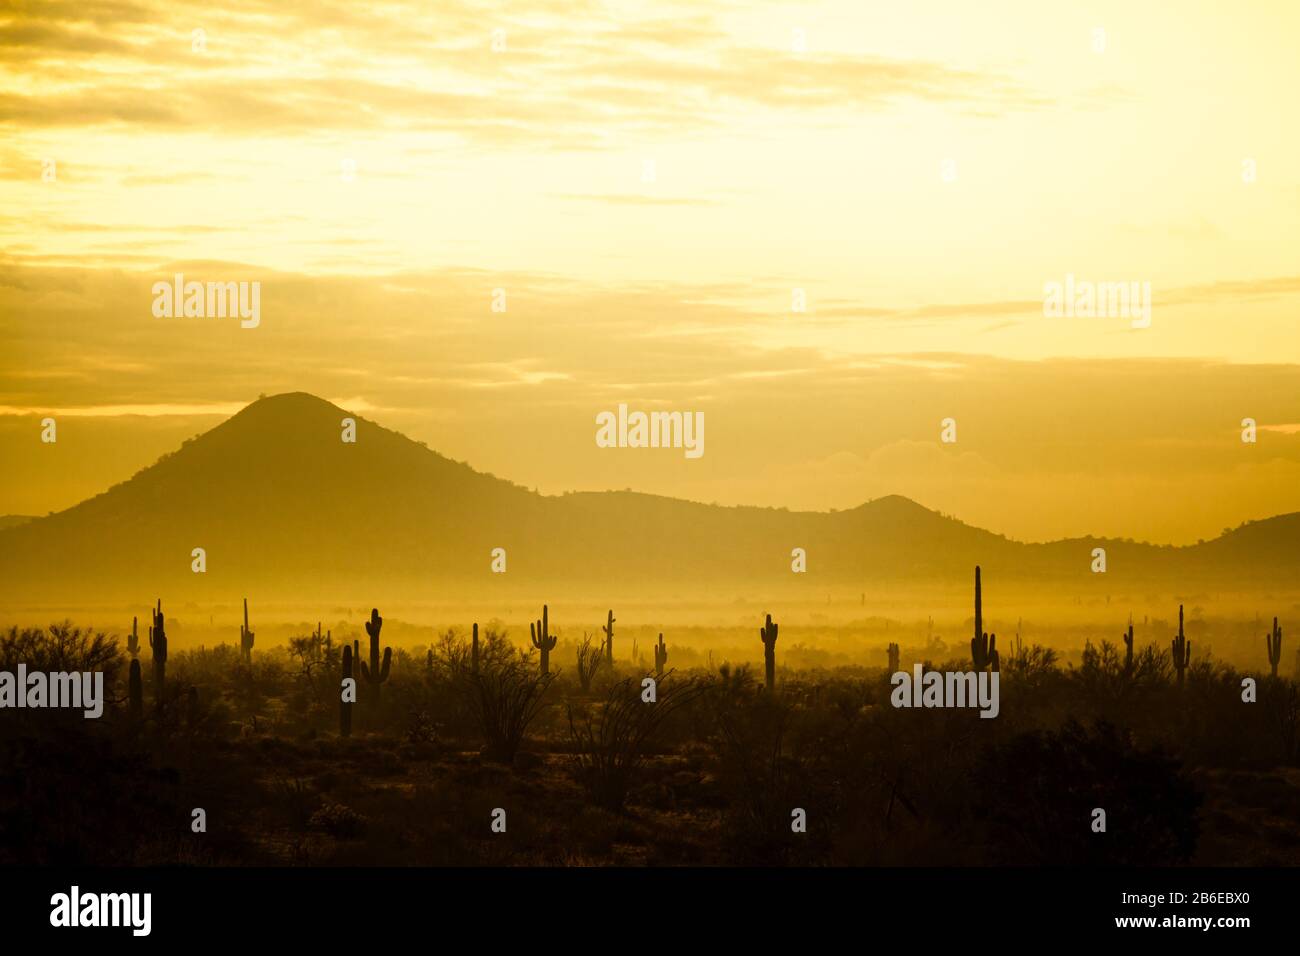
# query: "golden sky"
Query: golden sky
650,184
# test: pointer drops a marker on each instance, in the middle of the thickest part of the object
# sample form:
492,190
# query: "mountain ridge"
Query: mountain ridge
278,501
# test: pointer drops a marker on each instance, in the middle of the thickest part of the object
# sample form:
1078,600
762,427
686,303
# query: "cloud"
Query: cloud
564,78
633,199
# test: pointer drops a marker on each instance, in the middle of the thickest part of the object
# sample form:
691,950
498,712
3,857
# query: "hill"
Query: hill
283,507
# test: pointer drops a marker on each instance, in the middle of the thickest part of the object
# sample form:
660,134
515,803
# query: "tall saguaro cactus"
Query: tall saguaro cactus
345,706
376,673
1128,650
767,633
983,647
246,638
661,656
133,642
1273,644
158,644
1182,649
473,652
543,639
609,638
893,658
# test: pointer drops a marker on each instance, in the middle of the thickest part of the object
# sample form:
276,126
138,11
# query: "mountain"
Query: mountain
283,507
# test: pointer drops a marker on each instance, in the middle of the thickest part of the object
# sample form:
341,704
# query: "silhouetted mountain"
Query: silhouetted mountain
13,521
283,507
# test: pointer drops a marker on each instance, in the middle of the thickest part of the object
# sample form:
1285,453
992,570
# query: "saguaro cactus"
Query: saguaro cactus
661,656
135,692
376,674
609,638
1128,650
1273,644
983,647
246,638
158,644
1182,649
473,652
133,642
893,658
984,652
767,633
345,706
543,639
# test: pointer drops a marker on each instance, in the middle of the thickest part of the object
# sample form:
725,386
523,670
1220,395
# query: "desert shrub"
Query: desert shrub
612,739
1036,793
767,766
63,647
1029,664
338,820
47,817
1279,701
505,694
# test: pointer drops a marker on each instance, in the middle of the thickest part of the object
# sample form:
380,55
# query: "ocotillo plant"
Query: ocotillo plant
1128,650
543,639
133,642
609,638
589,661
345,707
767,633
135,692
246,638
1273,644
893,658
158,644
376,674
661,656
1182,649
